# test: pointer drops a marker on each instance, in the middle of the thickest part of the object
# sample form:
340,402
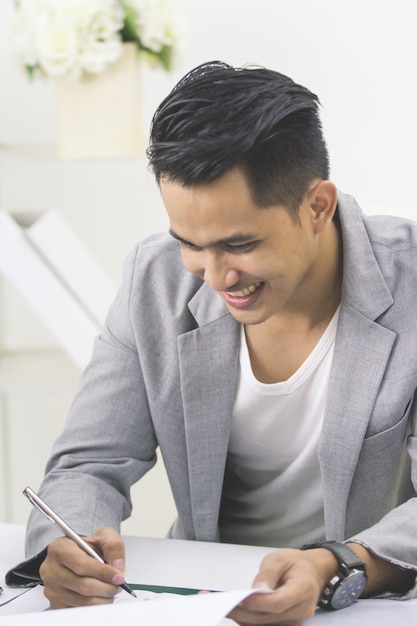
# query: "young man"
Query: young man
268,346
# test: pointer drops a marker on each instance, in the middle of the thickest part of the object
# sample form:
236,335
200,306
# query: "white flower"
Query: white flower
158,24
57,44
97,55
70,37
101,42
24,32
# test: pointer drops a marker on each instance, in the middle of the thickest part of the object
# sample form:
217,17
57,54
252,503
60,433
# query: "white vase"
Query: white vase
100,115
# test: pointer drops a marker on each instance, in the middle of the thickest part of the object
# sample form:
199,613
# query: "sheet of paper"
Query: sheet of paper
204,610
14,601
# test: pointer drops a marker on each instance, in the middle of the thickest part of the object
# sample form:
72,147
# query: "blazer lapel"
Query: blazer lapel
362,349
208,368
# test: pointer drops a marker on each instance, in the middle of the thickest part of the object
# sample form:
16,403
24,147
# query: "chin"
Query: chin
248,318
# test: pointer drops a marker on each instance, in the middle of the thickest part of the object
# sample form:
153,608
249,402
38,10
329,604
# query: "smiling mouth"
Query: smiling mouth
244,293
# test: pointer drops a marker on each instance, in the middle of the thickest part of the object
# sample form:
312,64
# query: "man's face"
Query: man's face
259,260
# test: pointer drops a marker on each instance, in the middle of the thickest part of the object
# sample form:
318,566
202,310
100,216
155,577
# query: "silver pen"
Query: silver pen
67,530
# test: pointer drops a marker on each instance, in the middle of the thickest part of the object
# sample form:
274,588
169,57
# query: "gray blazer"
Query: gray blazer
163,373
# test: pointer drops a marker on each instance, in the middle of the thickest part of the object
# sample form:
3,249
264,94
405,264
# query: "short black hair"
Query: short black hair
219,117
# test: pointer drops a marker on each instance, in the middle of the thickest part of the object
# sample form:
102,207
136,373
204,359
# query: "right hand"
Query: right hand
73,578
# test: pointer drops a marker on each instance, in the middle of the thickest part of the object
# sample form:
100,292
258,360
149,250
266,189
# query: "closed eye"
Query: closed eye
237,244
239,247
227,247
188,245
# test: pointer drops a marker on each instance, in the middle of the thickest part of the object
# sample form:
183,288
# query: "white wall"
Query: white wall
359,56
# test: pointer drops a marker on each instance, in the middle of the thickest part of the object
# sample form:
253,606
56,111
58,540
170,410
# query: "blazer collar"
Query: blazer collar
362,349
207,306
208,358
363,287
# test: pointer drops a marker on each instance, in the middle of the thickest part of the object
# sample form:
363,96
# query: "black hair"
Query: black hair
219,117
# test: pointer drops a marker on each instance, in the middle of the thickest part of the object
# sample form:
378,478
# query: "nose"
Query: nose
217,271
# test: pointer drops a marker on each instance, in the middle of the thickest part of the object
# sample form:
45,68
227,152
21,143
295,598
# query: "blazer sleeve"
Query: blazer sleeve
108,441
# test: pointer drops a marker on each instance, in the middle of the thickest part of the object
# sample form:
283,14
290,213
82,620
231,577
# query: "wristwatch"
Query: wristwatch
349,582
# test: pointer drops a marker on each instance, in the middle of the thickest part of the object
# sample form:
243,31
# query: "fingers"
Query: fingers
293,580
272,608
108,543
73,578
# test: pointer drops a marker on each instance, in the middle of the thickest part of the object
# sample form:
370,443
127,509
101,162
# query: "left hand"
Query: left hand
296,579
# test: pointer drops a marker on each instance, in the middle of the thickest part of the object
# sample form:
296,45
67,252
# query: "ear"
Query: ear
323,202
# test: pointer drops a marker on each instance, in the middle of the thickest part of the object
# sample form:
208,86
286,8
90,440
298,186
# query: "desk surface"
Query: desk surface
164,561
213,566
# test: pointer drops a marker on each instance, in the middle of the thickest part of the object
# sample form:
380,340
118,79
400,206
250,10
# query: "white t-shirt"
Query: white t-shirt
272,493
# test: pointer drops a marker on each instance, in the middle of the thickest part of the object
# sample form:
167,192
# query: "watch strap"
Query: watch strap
348,559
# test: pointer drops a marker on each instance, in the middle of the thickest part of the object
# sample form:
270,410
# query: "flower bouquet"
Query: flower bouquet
70,38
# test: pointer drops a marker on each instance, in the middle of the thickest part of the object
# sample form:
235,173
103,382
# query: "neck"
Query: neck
329,274
319,300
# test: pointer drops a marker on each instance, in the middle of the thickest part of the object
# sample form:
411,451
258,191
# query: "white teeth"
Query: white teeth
244,292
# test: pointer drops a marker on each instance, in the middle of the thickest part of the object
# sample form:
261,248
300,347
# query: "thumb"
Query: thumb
111,547
262,584
268,576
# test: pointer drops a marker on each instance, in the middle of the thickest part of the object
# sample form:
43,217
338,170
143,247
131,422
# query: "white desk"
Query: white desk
210,566
163,561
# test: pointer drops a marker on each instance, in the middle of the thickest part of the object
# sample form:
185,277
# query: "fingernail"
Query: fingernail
118,579
261,584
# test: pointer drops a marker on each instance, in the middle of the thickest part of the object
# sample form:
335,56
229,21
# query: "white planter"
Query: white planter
100,115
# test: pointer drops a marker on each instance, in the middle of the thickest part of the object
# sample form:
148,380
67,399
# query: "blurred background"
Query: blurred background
360,58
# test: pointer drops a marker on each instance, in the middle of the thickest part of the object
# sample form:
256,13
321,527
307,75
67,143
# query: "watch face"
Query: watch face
349,590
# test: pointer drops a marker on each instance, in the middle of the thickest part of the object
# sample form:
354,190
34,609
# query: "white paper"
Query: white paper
210,609
166,609
22,601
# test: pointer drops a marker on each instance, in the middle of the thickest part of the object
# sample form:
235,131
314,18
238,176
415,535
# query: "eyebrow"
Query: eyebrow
234,239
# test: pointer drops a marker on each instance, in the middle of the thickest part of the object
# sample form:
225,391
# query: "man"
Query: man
268,346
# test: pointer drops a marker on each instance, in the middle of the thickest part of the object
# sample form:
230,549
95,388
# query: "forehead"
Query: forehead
211,212
227,199
229,187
